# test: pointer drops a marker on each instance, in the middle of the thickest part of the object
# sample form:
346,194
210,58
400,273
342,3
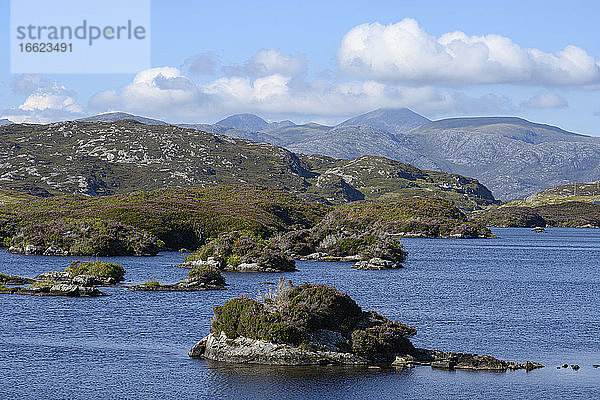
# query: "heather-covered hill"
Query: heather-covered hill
105,158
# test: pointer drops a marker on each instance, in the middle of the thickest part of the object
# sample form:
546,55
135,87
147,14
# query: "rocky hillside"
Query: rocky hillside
104,158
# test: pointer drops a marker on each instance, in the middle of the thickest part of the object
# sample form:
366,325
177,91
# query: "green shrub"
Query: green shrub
97,268
390,337
207,274
321,307
152,284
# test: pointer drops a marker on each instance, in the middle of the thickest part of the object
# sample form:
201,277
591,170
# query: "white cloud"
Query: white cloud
545,100
166,93
160,91
47,101
405,52
269,62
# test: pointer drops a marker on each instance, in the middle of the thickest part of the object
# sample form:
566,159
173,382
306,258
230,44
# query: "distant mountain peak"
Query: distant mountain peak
392,120
246,122
5,121
119,116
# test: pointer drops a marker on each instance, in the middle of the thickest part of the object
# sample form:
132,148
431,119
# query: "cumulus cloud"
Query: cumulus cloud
269,62
545,100
405,52
166,93
162,91
46,101
202,64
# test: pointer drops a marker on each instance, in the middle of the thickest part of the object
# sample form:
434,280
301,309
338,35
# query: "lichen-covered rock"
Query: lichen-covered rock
252,351
54,289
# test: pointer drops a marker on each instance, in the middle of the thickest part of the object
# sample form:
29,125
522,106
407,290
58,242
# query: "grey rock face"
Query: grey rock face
249,351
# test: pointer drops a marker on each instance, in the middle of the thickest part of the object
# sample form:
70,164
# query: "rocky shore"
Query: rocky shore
80,279
244,350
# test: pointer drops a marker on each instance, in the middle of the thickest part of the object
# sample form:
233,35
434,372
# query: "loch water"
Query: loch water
523,296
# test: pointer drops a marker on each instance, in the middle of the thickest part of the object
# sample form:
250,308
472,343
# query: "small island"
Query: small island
80,279
314,324
203,278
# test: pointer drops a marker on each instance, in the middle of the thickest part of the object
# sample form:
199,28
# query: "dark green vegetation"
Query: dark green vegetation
234,223
104,158
208,275
97,269
563,215
231,249
142,223
294,314
368,229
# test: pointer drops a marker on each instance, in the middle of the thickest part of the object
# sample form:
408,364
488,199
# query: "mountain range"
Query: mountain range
511,156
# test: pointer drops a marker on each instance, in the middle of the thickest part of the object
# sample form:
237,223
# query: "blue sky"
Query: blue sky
302,60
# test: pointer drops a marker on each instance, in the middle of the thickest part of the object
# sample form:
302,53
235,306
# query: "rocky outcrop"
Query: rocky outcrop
243,350
54,289
318,325
186,285
199,278
464,361
251,351
377,264
262,264
81,280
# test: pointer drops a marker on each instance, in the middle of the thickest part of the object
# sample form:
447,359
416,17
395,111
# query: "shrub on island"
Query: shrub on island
97,269
308,317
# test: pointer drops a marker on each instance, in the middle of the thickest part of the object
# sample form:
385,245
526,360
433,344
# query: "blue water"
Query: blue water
523,296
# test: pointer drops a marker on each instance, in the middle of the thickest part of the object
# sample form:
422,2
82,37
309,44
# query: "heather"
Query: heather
141,223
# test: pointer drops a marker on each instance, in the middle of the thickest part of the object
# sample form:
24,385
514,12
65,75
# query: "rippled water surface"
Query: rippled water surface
523,296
